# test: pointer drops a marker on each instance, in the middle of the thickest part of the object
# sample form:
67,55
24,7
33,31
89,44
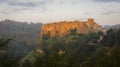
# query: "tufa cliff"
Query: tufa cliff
64,27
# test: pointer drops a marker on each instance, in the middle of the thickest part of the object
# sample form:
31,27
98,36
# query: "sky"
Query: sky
105,12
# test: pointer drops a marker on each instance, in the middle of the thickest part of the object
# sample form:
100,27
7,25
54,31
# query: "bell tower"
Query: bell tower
90,20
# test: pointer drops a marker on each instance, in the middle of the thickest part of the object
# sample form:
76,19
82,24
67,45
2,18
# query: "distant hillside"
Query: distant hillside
113,26
65,28
25,36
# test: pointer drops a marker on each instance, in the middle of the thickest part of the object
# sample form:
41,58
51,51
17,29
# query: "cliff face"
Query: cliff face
64,27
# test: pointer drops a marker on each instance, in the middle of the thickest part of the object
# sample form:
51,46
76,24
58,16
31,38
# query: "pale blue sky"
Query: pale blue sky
105,12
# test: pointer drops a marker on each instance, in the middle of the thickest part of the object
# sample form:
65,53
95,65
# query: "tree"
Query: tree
46,36
73,31
112,37
5,60
104,57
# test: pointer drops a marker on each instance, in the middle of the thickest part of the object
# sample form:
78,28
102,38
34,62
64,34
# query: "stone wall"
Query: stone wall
64,27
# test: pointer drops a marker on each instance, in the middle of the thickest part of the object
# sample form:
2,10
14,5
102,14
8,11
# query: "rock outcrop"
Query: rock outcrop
64,27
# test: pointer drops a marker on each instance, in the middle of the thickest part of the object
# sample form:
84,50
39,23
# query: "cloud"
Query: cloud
36,3
103,13
25,3
110,12
5,9
13,6
106,0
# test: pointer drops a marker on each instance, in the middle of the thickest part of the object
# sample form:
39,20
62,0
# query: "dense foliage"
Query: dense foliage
5,59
